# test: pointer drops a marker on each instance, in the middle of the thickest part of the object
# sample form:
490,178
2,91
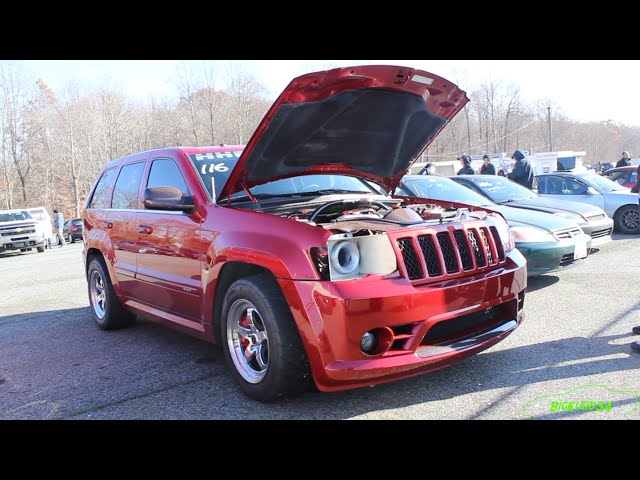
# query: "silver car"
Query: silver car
587,187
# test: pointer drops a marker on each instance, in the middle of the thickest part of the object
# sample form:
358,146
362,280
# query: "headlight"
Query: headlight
505,233
571,216
531,235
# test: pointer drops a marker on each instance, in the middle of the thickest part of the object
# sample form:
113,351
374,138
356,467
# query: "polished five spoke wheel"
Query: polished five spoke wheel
248,341
98,296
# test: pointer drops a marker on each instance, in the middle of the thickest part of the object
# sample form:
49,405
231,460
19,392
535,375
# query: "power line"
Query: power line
455,155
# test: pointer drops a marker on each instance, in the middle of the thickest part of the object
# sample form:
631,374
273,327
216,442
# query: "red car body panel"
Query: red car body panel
167,266
628,171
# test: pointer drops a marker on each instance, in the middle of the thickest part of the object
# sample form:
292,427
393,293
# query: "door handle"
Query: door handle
145,229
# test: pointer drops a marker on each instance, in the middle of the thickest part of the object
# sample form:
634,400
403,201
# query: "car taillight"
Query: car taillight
74,229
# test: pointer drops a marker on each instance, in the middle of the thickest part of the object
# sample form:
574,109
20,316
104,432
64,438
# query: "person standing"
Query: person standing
58,223
487,168
429,169
624,161
522,172
465,161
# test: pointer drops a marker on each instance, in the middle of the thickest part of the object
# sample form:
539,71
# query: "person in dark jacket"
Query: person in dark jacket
636,187
487,168
522,172
466,169
429,169
624,161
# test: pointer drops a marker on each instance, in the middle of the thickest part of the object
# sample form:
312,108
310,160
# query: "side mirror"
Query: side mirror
167,198
592,191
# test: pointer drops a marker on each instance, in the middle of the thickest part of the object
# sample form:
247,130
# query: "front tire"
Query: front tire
627,219
107,311
261,342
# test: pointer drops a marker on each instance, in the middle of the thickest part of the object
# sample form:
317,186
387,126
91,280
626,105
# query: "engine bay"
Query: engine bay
364,215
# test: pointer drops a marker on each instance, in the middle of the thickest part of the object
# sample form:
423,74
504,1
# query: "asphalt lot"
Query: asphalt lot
54,363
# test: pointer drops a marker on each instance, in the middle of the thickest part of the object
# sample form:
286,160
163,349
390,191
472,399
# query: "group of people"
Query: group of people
522,172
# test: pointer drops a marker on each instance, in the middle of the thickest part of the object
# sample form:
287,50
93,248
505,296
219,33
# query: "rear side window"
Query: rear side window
99,199
165,173
125,193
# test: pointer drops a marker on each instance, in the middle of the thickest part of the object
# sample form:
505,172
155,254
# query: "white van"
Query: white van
42,216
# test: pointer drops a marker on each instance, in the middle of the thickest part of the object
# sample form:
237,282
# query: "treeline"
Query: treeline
54,143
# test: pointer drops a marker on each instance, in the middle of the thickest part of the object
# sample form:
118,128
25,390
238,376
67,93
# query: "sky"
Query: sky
584,90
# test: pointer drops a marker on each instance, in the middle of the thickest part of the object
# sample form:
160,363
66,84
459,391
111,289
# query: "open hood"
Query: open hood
369,121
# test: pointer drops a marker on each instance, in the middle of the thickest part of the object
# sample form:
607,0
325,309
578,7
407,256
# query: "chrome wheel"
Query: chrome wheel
98,295
248,341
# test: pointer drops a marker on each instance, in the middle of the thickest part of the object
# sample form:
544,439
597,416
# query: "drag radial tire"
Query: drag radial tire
107,311
261,342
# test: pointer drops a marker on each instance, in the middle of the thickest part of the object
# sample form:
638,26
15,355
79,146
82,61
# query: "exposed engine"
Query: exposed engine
368,215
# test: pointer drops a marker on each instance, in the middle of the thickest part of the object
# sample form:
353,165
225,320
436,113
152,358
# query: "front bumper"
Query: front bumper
599,231
18,244
547,257
433,325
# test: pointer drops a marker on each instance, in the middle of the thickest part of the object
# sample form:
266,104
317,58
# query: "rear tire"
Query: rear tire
261,342
107,311
627,219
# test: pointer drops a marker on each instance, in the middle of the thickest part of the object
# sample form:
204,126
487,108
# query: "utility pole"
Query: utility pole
549,126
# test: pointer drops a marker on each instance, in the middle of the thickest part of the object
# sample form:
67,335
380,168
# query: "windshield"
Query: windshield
501,189
441,188
218,165
603,183
15,216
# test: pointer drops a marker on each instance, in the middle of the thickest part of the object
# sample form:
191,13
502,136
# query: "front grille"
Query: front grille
494,232
463,248
14,231
447,252
566,234
473,238
462,326
411,261
568,260
596,217
601,233
450,252
431,256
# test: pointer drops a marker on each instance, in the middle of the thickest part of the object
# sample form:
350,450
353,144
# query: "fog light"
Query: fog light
368,343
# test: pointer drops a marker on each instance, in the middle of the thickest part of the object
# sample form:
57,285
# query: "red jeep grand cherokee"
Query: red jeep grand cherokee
285,254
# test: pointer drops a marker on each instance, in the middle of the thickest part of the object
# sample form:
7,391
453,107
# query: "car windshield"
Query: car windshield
444,189
602,183
219,165
502,190
15,216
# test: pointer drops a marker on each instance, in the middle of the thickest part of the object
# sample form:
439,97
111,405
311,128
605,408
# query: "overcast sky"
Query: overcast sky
586,90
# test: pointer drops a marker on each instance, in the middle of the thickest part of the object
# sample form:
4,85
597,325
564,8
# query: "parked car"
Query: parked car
280,253
41,215
617,201
72,230
625,176
592,220
20,231
548,242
